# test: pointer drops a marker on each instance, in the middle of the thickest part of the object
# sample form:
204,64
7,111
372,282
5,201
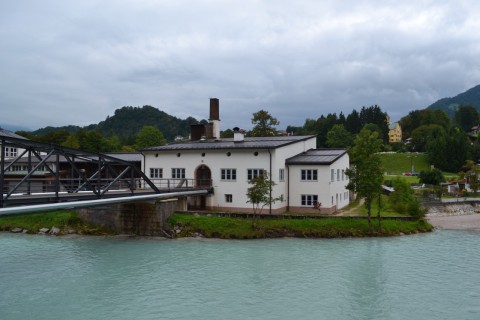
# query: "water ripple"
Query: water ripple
431,276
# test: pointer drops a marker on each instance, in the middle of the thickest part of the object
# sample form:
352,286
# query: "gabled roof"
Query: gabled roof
222,144
317,156
10,134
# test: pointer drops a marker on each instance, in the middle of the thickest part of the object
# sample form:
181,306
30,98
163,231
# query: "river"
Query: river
424,276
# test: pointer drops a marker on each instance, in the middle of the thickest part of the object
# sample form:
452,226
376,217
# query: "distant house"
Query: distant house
308,179
10,152
394,132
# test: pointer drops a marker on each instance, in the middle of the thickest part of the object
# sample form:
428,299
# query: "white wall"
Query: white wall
244,159
331,194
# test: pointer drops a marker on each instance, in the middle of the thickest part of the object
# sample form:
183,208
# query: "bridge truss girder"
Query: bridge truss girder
95,172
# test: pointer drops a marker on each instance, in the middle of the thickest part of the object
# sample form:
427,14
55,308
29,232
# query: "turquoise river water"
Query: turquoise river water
426,276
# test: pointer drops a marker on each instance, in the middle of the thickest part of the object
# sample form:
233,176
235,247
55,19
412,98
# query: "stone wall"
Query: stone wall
458,209
147,218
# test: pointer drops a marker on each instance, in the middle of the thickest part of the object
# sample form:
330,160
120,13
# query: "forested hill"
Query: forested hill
450,105
127,122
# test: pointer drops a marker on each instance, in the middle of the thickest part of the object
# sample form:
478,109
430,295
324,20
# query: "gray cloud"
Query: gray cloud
75,63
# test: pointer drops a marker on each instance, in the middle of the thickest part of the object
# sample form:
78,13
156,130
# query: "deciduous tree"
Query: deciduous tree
366,174
264,124
149,136
259,194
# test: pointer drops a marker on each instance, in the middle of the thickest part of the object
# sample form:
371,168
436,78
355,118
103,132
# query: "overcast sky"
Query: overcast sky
75,62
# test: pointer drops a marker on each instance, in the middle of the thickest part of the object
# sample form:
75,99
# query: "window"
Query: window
309,175
10,152
178,173
156,173
253,173
309,200
338,174
229,174
332,175
229,198
281,175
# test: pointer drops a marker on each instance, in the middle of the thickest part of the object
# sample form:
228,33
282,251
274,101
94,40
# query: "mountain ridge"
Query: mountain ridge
451,104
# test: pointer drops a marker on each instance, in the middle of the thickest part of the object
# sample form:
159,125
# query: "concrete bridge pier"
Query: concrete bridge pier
145,218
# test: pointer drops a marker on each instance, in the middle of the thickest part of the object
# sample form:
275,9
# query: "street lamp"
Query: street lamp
412,170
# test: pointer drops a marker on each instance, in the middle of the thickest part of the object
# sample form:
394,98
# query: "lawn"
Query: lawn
398,163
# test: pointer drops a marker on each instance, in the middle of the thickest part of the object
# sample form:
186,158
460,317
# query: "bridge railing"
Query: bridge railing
68,185
34,186
172,184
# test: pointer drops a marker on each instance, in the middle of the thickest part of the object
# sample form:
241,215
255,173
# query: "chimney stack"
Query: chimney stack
215,117
238,135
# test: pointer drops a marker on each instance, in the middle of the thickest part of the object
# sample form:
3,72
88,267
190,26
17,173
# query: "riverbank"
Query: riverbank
336,227
191,225
52,223
463,216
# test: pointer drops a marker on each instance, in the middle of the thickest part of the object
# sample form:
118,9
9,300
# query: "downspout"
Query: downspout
270,154
288,188
143,170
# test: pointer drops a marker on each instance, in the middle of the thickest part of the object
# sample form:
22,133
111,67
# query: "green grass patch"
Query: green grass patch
66,221
398,163
240,228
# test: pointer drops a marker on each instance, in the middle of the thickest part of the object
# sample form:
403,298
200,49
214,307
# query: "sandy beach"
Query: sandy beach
459,222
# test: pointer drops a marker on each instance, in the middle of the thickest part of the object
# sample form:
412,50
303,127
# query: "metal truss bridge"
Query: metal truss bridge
33,173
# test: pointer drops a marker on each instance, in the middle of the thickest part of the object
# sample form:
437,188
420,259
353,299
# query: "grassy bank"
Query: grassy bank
66,221
224,227
238,228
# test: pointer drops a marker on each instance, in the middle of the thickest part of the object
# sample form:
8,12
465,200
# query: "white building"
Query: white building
308,179
9,151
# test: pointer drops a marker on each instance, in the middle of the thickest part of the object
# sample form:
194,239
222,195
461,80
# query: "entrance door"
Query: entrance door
203,177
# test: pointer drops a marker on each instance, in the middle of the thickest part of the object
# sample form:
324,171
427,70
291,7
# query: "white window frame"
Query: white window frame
309,175
228,174
156,173
309,200
10,152
332,175
254,172
228,198
178,173
281,174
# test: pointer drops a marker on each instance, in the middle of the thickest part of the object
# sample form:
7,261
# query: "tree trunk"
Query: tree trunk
378,213
369,215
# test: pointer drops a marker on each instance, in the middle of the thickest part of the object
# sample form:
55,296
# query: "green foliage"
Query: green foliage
149,136
64,220
264,124
448,152
238,228
425,134
426,117
339,137
433,176
375,115
403,200
470,172
466,117
259,194
227,133
366,175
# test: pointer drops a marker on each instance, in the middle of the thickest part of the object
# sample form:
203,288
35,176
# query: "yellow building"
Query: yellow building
394,132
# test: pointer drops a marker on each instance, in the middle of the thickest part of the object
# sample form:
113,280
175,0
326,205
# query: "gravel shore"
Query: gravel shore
455,217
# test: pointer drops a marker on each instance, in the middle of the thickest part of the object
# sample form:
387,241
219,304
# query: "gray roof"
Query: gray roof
222,144
10,134
317,156
125,156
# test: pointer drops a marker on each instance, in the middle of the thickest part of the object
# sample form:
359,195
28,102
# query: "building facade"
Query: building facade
308,179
